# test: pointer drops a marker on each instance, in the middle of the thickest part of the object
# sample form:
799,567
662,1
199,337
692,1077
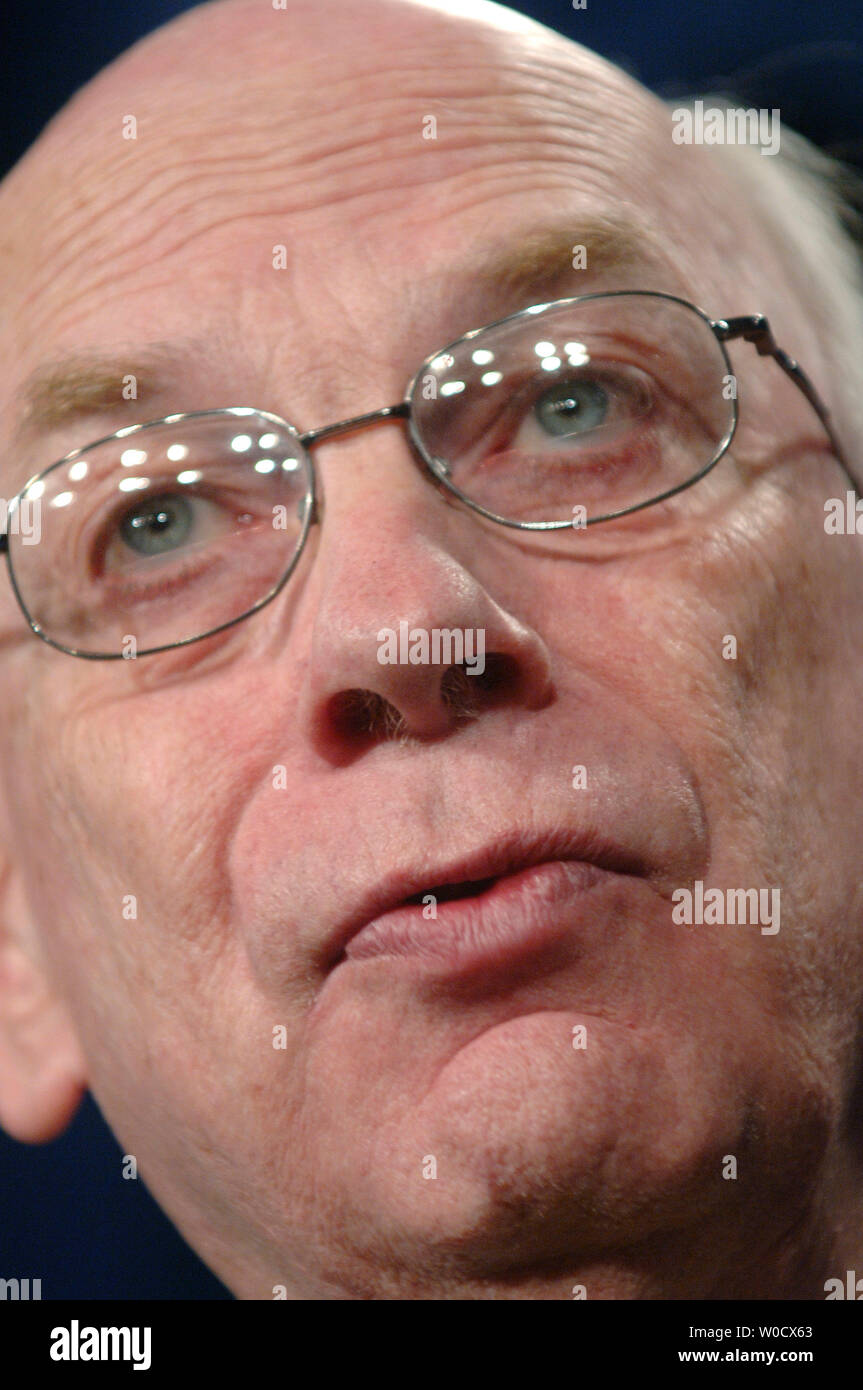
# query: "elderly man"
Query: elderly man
480,917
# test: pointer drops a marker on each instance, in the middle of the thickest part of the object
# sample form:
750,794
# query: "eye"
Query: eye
572,407
164,528
158,524
568,417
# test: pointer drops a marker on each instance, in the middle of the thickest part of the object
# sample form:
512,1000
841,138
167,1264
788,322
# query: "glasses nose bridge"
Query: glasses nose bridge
400,411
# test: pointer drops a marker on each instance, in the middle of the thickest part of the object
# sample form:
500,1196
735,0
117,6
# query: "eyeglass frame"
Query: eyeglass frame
752,328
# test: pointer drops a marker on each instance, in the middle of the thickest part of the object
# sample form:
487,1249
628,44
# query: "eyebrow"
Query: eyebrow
92,382
538,263
542,261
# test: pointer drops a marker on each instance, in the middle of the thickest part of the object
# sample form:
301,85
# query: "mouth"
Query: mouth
495,907
450,892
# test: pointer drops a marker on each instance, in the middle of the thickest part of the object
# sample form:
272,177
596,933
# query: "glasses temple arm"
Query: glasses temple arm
754,328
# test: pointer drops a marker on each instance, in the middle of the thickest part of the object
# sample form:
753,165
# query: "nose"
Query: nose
405,640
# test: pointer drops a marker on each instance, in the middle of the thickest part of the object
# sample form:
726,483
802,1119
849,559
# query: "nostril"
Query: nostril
466,693
423,704
358,714
458,693
501,675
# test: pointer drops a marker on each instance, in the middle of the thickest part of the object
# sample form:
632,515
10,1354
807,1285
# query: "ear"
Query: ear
43,1073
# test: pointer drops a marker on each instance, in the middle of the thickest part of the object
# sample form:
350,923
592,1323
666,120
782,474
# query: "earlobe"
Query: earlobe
43,1073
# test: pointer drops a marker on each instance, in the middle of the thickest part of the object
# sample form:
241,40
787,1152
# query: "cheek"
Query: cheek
121,828
729,637
122,835
780,747
783,604
744,645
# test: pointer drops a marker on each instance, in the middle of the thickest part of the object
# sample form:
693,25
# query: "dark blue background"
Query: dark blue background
66,1214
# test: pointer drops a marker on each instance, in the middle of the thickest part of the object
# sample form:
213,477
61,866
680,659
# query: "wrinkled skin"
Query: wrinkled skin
303,1166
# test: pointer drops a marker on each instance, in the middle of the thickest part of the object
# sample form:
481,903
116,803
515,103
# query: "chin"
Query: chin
525,1156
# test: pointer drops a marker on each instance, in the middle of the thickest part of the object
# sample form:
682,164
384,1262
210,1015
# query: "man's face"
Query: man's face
580,1084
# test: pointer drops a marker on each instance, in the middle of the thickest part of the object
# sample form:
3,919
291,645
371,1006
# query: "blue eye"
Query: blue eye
157,525
572,407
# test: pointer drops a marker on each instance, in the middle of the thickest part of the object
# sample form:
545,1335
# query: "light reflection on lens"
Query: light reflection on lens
577,354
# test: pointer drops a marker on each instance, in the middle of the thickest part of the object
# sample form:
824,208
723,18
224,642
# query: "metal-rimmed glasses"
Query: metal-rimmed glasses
561,416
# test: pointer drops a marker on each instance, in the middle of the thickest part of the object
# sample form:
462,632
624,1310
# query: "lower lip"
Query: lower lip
518,917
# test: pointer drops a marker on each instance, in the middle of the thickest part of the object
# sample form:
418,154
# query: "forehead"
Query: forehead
280,182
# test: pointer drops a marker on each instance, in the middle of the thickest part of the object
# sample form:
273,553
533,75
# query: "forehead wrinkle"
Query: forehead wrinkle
241,148
133,261
327,151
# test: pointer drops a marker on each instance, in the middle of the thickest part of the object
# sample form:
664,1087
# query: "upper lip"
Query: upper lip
509,854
